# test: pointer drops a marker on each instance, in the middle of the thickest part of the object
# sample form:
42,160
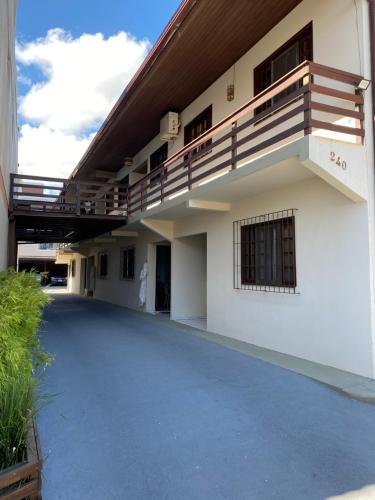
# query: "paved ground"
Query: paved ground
148,412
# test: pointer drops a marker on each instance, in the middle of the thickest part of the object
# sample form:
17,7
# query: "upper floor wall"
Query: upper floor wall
340,39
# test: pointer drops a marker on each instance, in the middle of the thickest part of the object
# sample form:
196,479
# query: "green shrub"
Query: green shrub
21,360
17,408
21,304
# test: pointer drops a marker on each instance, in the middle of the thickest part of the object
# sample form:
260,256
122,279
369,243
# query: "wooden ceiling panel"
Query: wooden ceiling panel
211,37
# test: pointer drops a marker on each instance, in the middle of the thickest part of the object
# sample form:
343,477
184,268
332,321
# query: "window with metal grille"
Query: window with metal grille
103,265
296,50
264,252
128,263
197,127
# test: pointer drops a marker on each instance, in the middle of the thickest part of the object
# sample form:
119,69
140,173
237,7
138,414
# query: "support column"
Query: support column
12,244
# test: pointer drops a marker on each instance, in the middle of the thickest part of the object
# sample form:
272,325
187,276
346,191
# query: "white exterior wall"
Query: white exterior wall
8,128
113,288
331,318
189,277
33,250
328,320
334,26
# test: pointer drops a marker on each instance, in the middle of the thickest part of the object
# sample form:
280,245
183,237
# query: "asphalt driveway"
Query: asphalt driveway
149,412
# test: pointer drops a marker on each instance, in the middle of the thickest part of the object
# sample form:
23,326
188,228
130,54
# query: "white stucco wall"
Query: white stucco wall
33,250
8,128
329,320
337,24
112,288
189,277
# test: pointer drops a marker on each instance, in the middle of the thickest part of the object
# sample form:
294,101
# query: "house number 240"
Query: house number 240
338,160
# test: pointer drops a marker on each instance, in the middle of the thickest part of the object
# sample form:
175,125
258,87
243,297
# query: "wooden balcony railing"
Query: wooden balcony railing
309,99
67,196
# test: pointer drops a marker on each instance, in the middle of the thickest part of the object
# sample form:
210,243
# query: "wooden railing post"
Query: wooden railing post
128,200
162,173
12,243
359,107
78,195
307,106
234,148
142,192
189,170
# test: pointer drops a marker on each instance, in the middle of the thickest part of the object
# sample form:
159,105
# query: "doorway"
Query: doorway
90,276
163,278
189,285
83,272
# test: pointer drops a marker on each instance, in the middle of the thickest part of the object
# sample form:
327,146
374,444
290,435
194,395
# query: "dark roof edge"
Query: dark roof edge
159,46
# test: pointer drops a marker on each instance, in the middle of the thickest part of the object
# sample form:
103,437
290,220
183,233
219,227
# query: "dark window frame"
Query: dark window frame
159,156
262,72
202,121
265,252
127,272
102,275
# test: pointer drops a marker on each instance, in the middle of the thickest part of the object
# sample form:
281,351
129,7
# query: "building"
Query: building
40,257
8,113
239,162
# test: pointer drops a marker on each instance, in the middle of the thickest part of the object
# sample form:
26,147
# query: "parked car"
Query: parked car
58,281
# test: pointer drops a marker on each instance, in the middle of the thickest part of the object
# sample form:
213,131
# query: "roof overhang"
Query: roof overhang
203,39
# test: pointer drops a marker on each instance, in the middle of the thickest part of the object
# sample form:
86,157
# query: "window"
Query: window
142,169
103,265
73,269
197,127
156,159
264,252
128,263
121,192
295,51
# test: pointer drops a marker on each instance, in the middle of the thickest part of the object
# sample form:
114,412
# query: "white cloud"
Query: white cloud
50,153
83,78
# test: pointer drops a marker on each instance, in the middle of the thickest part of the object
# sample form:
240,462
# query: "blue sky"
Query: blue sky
74,58
143,18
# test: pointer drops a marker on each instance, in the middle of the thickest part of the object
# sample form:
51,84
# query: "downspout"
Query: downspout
372,64
372,57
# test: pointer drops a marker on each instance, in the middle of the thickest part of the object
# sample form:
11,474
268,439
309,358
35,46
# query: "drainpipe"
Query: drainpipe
372,56
372,63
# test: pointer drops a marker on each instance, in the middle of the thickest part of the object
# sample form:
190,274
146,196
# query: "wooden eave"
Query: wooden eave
203,40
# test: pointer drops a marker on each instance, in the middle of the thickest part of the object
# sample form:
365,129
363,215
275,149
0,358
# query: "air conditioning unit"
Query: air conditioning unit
169,126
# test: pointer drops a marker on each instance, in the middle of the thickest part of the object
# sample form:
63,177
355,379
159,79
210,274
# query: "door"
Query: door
163,278
90,276
83,277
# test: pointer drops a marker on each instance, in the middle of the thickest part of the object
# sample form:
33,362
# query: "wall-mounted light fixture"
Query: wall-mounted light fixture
230,86
128,162
363,84
230,92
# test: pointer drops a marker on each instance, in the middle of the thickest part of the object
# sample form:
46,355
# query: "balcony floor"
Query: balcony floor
42,227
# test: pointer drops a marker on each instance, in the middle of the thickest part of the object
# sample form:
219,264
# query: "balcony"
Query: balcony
310,101
47,209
